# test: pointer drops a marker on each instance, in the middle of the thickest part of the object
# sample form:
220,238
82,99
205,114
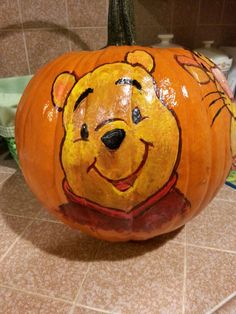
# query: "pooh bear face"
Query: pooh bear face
121,143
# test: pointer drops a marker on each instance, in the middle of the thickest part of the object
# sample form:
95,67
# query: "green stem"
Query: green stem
121,23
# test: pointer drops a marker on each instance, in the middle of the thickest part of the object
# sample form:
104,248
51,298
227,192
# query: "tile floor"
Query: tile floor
45,267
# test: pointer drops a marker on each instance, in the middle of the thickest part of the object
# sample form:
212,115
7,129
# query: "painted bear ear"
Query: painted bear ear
141,58
61,89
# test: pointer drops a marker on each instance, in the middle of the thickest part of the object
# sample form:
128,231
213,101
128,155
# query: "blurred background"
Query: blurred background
33,32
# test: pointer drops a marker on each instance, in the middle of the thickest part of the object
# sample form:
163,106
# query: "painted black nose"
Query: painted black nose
113,139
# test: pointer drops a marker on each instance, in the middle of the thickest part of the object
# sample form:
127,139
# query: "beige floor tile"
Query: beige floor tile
211,277
51,259
10,228
136,278
4,176
18,302
7,169
7,163
176,236
16,198
215,226
227,193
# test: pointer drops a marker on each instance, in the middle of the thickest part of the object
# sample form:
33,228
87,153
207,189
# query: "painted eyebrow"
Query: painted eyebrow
128,81
82,96
106,122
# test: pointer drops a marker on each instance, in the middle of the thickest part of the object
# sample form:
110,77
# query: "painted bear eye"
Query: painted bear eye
84,132
136,115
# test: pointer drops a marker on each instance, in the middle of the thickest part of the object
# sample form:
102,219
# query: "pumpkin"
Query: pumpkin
127,142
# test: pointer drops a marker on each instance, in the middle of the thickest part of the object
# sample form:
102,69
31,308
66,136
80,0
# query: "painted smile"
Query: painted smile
125,183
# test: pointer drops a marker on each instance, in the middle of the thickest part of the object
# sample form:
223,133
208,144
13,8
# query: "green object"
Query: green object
11,144
11,90
231,180
121,23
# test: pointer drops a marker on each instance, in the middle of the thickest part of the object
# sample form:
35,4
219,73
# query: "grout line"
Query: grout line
172,8
216,24
18,216
48,220
203,247
92,27
107,7
88,27
185,271
198,13
33,217
24,39
83,280
8,175
67,20
58,28
16,240
197,23
79,291
222,12
222,303
26,52
7,171
95,309
211,248
35,293
56,220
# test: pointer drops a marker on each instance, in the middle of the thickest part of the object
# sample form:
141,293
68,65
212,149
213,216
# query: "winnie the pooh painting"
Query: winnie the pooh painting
126,146
95,152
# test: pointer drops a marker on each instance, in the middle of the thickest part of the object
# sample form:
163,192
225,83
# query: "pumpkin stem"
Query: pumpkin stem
121,23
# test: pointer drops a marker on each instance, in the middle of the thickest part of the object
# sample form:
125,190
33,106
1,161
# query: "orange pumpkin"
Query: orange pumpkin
125,142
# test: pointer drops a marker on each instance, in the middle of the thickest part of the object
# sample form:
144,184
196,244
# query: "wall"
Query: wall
191,21
34,31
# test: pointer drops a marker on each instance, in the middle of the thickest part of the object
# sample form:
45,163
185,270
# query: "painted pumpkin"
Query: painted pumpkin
126,142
